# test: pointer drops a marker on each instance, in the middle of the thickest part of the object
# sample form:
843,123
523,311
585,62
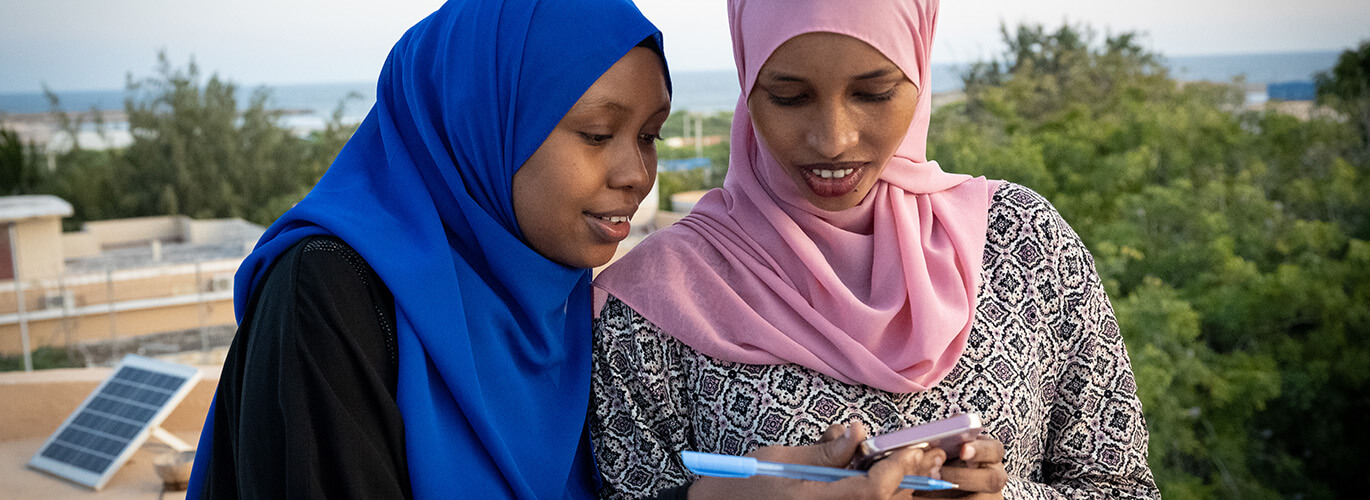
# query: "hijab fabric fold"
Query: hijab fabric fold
882,294
494,339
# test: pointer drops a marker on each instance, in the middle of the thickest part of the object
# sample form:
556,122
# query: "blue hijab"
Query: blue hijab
494,339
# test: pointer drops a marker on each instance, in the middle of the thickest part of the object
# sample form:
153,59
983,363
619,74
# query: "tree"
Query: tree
1346,87
1233,243
20,167
195,153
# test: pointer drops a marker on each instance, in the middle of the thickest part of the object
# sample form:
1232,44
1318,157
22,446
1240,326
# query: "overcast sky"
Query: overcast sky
93,44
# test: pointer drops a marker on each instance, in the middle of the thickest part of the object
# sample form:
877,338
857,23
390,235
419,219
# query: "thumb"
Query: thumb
834,431
839,452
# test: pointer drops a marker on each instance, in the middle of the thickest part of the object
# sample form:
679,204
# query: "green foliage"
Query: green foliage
20,165
194,152
1199,403
1233,242
714,125
1346,87
44,358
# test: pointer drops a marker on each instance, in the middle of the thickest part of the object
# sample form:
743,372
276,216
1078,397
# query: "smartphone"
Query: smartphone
947,434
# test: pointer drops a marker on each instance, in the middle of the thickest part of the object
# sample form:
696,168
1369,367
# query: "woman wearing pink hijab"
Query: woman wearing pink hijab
839,276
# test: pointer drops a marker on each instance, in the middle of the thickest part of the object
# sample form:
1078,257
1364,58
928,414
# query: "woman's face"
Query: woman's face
574,195
832,110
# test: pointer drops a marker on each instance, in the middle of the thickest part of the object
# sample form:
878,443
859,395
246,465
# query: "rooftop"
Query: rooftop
146,256
36,403
157,241
14,208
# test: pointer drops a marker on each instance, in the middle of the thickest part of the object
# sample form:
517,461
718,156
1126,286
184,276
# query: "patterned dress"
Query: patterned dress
1044,367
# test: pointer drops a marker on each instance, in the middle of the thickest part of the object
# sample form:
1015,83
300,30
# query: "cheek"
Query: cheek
885,131
891,140
536,199
544,216
549,200
777,132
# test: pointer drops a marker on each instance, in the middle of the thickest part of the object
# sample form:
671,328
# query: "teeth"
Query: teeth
615,219
830,174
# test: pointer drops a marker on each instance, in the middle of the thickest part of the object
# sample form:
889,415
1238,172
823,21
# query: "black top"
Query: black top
306,403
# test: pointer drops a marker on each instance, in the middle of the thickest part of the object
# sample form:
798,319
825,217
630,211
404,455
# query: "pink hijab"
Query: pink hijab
880,294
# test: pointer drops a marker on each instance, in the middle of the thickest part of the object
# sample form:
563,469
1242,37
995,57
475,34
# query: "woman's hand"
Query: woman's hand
836,449
979,471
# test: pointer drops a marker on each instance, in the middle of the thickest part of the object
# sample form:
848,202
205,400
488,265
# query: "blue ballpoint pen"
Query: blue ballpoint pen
710,464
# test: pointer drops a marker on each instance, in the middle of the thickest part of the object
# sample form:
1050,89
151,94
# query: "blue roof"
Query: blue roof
685,164
1291,91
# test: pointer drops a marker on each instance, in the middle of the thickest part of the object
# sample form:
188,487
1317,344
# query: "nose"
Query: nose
633,170
833,131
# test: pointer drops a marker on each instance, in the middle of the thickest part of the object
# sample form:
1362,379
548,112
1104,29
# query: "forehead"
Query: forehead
823,55
637,79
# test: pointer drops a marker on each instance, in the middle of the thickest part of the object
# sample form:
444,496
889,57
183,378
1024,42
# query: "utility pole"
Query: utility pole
19,297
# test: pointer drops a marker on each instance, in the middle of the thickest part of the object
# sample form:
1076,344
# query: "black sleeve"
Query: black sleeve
306,404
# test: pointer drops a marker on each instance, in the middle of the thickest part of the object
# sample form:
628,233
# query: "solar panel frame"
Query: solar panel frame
100,435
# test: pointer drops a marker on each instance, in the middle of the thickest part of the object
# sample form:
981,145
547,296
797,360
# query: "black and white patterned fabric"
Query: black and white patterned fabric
1044,367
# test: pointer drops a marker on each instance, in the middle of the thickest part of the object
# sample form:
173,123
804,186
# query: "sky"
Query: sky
74,45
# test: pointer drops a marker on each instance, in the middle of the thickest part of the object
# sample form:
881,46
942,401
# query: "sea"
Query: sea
310,105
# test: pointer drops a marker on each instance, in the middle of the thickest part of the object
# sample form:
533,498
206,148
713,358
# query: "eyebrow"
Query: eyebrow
614,106
874,74
603,102
869,75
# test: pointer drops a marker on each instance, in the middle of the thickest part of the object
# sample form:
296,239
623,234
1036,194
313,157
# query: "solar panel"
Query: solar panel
115,420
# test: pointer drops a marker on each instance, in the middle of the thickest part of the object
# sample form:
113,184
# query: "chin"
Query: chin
599,260
587,260
837,204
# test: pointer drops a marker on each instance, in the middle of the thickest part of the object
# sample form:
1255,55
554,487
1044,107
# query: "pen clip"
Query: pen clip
709,464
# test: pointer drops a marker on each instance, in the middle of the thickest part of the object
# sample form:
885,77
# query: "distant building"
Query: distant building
1291,91
115,279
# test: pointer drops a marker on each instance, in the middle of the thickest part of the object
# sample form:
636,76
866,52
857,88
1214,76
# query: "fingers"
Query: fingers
882,482
985,450
834,431
980,467
922,461
884,476
839,452
990,479
829,452
859,430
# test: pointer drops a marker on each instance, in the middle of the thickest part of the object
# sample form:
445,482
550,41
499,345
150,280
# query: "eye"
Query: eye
787,101
649,139
877,97
596,139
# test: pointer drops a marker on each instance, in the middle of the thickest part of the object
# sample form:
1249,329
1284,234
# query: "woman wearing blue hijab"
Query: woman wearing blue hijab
419,325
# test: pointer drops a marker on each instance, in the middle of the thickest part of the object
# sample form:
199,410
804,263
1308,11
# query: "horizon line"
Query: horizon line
255,85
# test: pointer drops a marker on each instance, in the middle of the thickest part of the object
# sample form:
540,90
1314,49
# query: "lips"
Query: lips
833,179
612,226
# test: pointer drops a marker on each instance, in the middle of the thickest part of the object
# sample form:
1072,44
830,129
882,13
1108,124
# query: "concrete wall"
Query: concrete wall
38,243
145,301
100,325
125,285
97,235
214,231
138,230
79,244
